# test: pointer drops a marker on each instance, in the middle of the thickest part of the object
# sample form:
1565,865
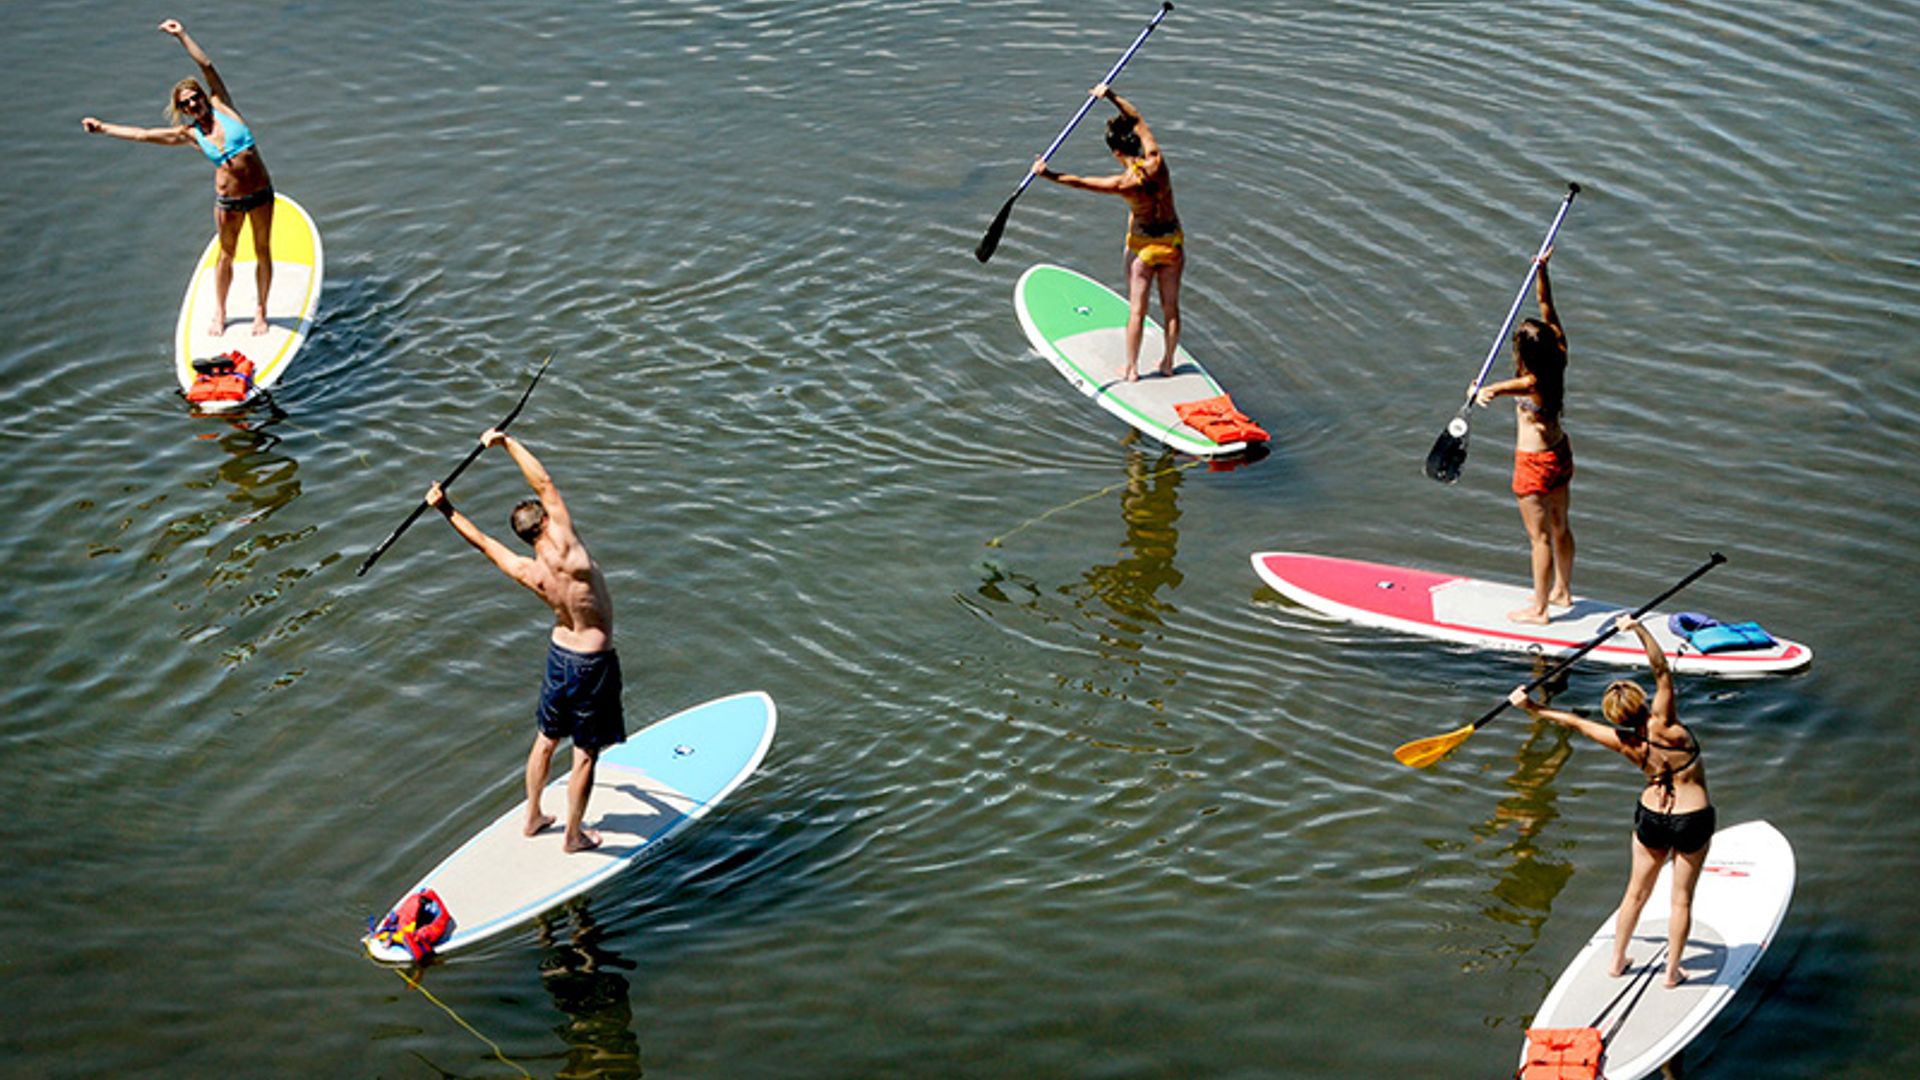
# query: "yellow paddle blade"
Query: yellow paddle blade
1421,753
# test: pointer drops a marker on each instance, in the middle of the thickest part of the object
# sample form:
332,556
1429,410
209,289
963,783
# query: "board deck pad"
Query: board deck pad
1469,611
1741,899
662,779
1079,325
299,268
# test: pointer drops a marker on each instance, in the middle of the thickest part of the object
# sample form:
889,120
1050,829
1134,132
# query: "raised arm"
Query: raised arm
1149,147
173,136
558,518
1662,705
1543,291
510,563
215,86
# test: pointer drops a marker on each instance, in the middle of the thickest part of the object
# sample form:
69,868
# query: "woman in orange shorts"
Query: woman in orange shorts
1542,455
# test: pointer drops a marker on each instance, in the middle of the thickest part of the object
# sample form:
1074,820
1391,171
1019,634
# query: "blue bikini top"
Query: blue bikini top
238,138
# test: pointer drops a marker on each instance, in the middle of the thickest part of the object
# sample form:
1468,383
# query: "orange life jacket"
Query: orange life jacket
1562,1054
1217,419
223,379
419,923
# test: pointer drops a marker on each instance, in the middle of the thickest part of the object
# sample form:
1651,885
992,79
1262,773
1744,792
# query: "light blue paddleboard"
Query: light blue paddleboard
646,789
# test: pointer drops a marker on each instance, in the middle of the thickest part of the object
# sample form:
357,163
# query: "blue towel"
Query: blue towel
1731,637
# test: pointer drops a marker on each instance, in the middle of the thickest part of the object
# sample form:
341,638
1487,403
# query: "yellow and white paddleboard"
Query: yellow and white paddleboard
298,267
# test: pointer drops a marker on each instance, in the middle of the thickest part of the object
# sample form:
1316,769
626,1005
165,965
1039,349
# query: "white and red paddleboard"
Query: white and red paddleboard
1472,612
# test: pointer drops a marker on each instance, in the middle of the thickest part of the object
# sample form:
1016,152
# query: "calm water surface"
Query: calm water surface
1090,802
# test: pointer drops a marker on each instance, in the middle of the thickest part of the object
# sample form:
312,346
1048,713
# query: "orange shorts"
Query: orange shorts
1542,472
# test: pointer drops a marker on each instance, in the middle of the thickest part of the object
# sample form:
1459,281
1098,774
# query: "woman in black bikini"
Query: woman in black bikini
1674,817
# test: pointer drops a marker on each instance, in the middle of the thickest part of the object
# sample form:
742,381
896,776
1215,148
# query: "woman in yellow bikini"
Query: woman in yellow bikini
1155,245
243,192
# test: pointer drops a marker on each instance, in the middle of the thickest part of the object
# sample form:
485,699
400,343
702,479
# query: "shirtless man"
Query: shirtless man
1156,249
580,698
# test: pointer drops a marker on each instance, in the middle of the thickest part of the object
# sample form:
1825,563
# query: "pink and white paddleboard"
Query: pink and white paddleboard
1472,612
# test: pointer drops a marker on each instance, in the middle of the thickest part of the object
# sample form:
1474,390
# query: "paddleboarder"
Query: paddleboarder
580,697
1674,818
1542,454
242,190
1156,246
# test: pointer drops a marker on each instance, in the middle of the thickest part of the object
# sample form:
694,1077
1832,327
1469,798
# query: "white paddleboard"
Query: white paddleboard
1472,612
1079,325
299,265
647,789
1737,907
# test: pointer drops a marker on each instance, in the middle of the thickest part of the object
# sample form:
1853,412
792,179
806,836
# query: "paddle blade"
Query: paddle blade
1449,452
991,242
1421,753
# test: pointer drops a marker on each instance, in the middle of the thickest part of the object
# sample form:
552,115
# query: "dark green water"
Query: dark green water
1093,802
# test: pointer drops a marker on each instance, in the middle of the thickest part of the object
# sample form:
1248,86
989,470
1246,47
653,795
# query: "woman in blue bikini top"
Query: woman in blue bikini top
1674,817
243,192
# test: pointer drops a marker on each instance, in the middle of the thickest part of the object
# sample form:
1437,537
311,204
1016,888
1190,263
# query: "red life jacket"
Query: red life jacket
1562,1054
419,923
225,379
1217,419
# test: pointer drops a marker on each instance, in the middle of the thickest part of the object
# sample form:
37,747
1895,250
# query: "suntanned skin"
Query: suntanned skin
245,174
1689,793
563,575
1148,190
1549,535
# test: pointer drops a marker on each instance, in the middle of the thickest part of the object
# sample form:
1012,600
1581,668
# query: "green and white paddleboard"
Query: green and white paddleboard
1080,326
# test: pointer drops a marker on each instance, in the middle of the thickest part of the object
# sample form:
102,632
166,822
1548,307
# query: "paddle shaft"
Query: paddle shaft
472,456
1520,298
1613,628
992,239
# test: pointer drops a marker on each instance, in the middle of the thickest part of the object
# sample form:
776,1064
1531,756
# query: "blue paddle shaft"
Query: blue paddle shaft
1513,312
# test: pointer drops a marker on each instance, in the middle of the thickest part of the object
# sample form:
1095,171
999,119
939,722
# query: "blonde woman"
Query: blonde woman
243,192
1674,818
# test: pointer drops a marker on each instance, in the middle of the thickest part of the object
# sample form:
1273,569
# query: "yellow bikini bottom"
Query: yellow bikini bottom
1156,251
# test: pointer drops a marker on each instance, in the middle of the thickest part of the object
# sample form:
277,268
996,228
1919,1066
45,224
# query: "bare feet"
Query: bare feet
1675,978
1561,601
260,324
1166,366
1530,616
586,841
1617,968
1131,374
219,324
537,824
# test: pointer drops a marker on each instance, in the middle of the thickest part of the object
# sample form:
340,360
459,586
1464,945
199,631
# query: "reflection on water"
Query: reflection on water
1127,588
258,479
584,979
1526,875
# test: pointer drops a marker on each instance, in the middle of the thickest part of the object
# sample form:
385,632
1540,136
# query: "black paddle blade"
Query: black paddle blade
1449,452
991,242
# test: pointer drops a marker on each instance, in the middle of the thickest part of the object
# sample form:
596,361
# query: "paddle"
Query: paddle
1421,753
472,456
1449,451
991,241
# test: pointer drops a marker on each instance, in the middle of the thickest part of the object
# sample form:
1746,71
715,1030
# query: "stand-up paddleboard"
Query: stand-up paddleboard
646,789
1080,326
299,264
1741,898
1472,612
